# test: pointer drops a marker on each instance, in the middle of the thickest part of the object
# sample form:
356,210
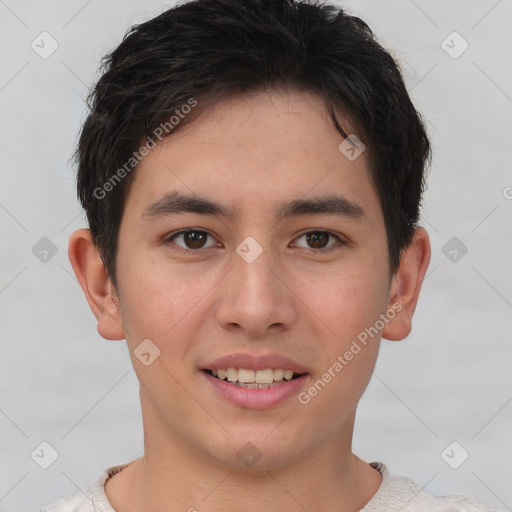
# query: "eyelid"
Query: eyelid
170,239
339,240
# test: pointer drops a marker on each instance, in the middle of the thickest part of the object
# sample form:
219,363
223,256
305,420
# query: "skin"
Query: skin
250,153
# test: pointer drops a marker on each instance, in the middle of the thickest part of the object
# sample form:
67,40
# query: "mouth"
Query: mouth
253,379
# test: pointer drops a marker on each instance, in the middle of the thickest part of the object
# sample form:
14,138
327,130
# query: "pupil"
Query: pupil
317,239
194,239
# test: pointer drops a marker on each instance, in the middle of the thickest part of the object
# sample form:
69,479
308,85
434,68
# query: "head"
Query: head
242,107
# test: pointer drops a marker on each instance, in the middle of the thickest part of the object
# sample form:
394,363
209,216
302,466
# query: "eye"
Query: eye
319,240
192,239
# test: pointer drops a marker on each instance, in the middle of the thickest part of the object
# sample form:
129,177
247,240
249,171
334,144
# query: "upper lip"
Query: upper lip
253,362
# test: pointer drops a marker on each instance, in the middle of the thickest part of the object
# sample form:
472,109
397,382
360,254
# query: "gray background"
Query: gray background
449,381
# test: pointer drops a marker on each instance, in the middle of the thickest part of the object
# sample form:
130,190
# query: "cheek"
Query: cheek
349,299
351,309
157,300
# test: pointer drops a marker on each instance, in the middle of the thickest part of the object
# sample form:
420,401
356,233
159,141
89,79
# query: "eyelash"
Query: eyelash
172,236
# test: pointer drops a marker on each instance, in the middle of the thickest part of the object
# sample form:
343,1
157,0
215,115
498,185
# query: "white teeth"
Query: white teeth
232,374
253,378
255,385
278,374
264,376
246,376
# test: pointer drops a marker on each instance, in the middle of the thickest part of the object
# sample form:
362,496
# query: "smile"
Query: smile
253,379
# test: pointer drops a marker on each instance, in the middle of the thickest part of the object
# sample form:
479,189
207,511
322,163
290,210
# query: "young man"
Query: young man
252,172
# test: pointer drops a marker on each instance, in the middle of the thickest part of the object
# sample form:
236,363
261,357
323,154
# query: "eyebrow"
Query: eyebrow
175,203
330,205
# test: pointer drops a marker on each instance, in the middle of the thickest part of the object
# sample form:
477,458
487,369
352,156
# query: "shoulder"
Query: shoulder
90,499
400,493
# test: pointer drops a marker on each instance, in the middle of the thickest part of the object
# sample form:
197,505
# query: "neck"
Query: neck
174,476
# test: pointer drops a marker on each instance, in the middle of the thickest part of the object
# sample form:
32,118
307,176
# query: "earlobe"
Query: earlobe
406,286
96,285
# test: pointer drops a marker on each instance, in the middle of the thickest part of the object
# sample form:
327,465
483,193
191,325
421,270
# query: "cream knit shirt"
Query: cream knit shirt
395,494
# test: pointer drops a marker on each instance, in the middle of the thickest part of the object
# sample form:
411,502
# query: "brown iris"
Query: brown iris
317,239
194,239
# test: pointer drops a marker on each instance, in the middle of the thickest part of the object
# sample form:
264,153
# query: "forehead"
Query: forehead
251,150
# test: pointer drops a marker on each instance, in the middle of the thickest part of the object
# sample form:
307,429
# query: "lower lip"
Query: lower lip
247,398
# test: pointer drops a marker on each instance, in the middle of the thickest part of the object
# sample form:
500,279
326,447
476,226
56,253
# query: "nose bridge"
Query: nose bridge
253,298
254,287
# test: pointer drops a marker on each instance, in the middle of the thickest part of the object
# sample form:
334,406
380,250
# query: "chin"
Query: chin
256,453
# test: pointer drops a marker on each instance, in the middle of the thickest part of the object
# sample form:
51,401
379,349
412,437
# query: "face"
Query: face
251,245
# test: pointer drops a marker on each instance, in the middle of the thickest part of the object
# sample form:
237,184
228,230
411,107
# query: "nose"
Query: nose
256,299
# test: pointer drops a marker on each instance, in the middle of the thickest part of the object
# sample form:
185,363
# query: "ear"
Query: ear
406,284
96,285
